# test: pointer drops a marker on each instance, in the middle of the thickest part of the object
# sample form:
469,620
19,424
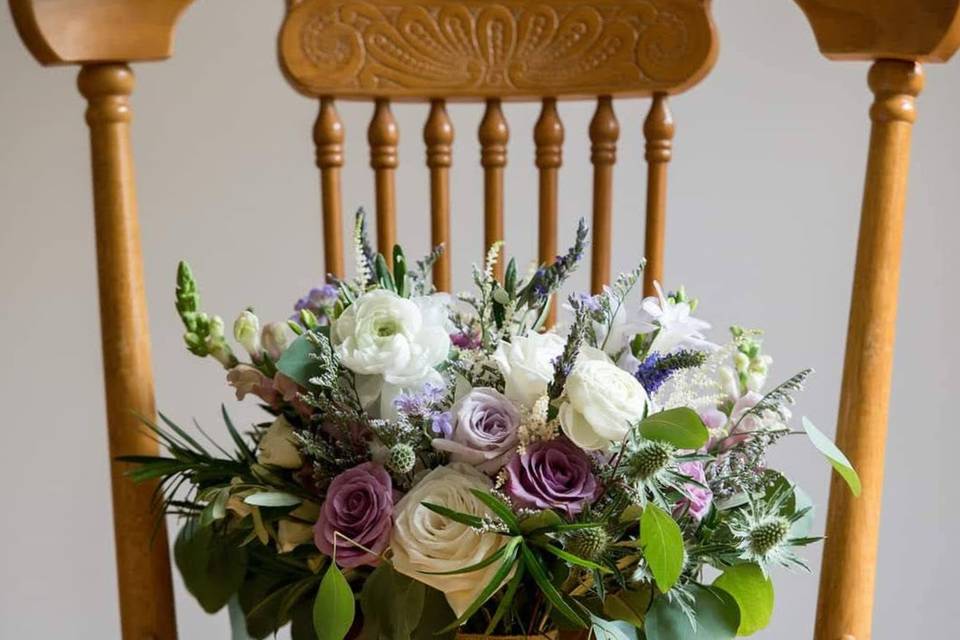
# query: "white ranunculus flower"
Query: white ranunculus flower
527,365
426,541
278,446
602,402
398,338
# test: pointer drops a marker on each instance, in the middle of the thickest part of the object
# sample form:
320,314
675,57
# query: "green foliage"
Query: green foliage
717,617
662,544
435,617
833,454
272,499
212,565
753,592
334,607
681,427
392,604
629,605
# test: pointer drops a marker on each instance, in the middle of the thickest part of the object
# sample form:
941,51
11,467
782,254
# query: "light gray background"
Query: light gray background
764,199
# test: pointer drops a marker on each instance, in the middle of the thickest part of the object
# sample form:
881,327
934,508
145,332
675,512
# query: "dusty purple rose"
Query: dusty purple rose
359,506
697,499
552,474
485,425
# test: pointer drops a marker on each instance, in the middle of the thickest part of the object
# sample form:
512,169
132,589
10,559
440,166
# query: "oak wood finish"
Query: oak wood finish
146,594
604,132
494,135
509,49
548,138
383,137
328,139
850,553
915,30
658,129
438,137
82,31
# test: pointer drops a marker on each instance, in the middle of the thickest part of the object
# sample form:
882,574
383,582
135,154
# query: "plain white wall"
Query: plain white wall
764,199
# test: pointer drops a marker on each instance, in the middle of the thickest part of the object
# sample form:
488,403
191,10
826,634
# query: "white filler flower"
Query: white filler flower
602,401
383,334
426,541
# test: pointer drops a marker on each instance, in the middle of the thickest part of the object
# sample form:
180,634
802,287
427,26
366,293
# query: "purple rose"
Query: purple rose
697,499
484,430
552,474
359,506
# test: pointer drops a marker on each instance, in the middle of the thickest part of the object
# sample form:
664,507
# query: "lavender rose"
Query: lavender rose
484,431
359,506
552,474
697,499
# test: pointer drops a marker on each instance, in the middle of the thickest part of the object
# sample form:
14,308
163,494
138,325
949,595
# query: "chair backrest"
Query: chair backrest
439,50
495,50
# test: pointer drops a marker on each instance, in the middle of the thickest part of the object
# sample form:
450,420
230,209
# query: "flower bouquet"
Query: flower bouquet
434,464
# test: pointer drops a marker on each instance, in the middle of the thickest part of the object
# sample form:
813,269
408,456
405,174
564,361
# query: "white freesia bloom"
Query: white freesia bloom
426,541
278,446
397,338
676,327
602,402
527,365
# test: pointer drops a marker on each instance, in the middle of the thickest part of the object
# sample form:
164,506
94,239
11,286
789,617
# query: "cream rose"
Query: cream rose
278,446
397,338
527,365
426,541
602,401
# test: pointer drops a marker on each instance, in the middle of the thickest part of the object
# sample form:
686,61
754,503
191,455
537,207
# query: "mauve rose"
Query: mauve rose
484,430
698,499
359,506
552,474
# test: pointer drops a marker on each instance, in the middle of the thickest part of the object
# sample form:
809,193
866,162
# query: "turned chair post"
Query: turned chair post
658,130
328,137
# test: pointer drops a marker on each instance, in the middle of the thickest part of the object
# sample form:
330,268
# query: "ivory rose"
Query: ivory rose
397,338
602,402
278,446
426,541
527,365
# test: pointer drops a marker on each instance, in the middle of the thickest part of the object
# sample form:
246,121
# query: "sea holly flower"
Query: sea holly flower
355,520
762,530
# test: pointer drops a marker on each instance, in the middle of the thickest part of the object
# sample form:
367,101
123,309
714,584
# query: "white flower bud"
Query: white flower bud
274,339
246,331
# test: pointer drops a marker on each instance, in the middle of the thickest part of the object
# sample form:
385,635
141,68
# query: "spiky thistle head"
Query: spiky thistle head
402,458
650,459
588,543
763,531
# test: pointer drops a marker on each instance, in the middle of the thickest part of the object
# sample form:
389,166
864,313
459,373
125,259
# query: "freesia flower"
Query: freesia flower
484,431
673,323
426,541
551,474
359,507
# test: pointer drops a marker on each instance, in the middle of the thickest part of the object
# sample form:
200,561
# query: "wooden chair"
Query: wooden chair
435,50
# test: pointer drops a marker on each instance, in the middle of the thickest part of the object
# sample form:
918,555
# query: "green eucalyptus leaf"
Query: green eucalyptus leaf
296,363
272,499
334,608
662,544
391,603
212,566
717,614
681,427
833,454
753,592
601,629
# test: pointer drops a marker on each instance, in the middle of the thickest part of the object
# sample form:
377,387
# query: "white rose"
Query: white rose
278,446
602,402
527,365
426,541
386,335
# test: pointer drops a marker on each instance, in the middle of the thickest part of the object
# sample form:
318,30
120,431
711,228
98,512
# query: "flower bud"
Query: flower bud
274,339
246,331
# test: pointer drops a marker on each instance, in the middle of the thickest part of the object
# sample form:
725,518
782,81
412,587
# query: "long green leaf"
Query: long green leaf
457,516
244,450
573,559
335,607
506,600
495,583
662,544
833,454
500,509
553,596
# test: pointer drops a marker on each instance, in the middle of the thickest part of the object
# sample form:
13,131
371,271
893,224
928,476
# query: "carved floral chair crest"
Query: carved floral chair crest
439,50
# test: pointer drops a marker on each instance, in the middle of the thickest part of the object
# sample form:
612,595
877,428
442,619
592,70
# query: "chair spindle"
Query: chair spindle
846,597
548,137
604,132
658,129
143,568
494,135
438,136
383,136
328,138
